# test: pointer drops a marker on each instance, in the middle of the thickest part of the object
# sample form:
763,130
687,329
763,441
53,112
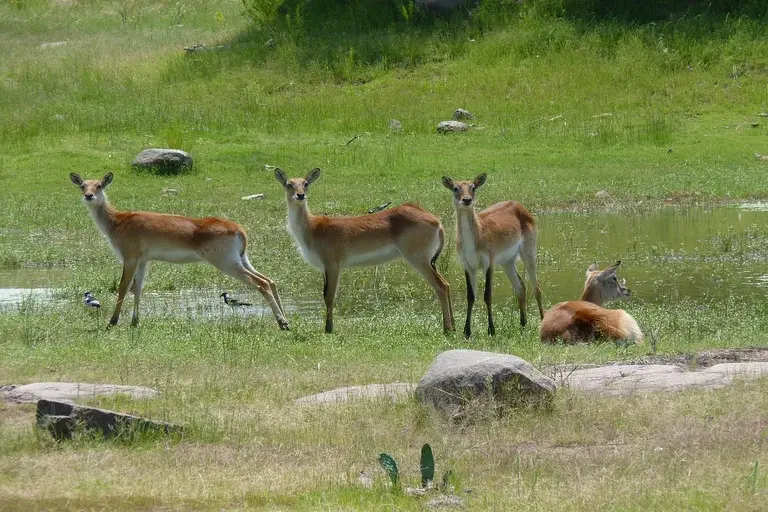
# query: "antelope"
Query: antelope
140,237
584,320
498,235
332,244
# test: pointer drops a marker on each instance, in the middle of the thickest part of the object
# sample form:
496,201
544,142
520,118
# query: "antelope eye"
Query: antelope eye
82,187
289,185
306,184
455,189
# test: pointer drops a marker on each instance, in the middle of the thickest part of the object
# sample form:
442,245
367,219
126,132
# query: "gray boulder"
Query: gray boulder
451,126
457,376
165,161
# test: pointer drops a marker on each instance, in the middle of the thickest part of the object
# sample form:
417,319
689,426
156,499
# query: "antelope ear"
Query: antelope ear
107,179
313,175
480,180
280,176
447,182
76,179
610,270
592,268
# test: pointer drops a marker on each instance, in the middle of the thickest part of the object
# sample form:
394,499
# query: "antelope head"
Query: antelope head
464,191
93,190
605,284
296,188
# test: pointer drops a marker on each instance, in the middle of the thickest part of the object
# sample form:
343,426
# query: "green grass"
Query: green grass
567,105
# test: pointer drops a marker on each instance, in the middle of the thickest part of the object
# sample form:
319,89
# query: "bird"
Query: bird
90,301
380,208
233,303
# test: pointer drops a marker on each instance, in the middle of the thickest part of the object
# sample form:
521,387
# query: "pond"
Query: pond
700,254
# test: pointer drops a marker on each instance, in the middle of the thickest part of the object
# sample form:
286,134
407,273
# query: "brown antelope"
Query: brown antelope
584,320
497,235
140,237
331,244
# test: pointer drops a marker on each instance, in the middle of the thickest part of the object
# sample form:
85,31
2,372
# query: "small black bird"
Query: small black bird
233,303
90,301
380,208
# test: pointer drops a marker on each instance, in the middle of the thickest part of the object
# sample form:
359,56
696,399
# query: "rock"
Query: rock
63,418
170,191
53,45
602,194
438,6
365,479
451,126
457,376
199,47
627,379
165,161
462,115
252,197
73,390
395,125
445,501
761,157
395,392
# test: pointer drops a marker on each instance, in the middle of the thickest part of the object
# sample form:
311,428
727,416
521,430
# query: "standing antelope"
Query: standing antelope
140,237
331,244
497,235
586,319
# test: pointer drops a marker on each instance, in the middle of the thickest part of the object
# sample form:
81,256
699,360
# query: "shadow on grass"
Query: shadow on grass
352,41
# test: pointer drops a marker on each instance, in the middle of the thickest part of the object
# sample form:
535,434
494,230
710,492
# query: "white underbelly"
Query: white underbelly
175,255
471,260
375,257
509,253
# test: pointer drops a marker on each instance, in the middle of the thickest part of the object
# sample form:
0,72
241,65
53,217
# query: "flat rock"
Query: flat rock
630,379
395,391
457,376
62,418
167,161
452,126
68,391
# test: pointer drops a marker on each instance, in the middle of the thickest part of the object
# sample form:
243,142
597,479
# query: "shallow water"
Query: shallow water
700,254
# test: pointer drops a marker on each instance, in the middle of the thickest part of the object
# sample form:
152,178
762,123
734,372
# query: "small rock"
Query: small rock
451,126
165,161
208,179
269,167
462,115
270,43
365,479
252,197
59,117
445,502
415,491
170,192
754,125
602,194
761,157
763,114
669,150
53,45
395,125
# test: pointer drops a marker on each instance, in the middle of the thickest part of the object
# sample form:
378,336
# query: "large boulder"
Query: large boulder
164,161
456,377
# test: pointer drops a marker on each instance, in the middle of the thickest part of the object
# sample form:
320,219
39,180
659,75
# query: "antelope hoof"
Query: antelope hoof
523,321
283,325
467,332
134,322
111,324
491,330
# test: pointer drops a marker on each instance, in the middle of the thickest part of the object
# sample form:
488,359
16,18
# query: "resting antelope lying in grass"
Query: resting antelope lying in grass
585,320
495,236
331,244
140,237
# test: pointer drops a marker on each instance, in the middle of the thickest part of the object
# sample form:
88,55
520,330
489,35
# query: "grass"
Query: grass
566,106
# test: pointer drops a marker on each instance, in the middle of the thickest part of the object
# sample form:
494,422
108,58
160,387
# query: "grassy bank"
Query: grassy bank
567,105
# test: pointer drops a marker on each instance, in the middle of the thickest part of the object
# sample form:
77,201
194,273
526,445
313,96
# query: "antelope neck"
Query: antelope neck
592,295
103,215
467,223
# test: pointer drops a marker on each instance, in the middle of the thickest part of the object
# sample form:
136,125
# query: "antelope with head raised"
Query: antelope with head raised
140,237
331,244
586,320
498,235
